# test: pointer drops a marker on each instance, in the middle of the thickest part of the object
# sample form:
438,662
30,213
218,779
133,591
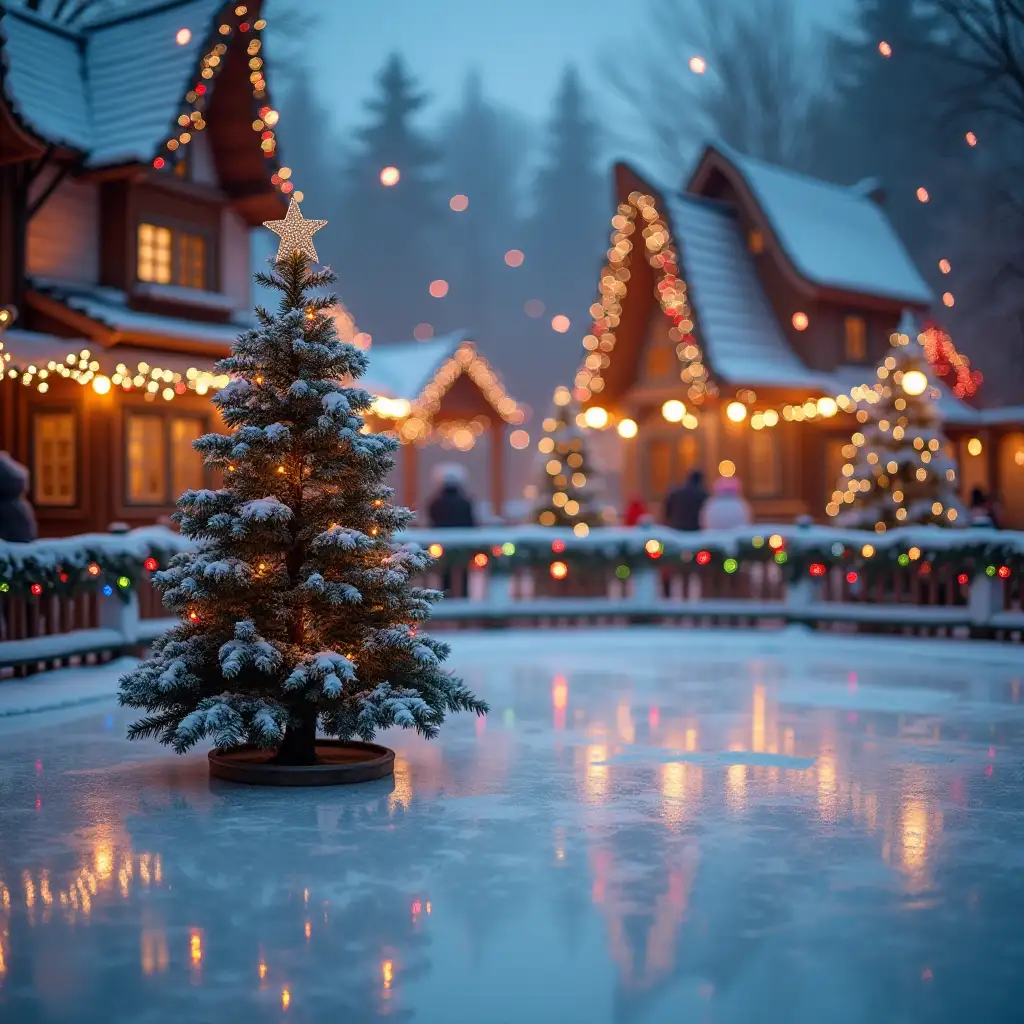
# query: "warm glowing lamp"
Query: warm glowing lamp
914,382
673,410
627,428
596,417
736,411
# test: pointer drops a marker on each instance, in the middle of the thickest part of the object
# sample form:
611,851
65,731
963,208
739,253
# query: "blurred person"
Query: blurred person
450,506
17,519
726,509
684,504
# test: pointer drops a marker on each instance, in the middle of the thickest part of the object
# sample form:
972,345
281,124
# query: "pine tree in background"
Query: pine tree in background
388,236
483,146
567,233
297,608
567,487
304,127
898,471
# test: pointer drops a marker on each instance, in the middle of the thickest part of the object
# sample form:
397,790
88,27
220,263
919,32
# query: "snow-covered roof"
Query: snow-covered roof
835,236
742,337
112,88
109,307
402,369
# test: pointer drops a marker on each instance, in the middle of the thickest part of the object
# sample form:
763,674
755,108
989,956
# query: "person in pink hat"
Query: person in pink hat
726,508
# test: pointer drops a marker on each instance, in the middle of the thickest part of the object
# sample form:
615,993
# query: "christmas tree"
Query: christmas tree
898,471
567,485
297,607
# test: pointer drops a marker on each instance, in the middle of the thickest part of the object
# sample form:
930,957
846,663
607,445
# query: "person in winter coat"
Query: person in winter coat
726,508
450,506
683,505
17,520
636,513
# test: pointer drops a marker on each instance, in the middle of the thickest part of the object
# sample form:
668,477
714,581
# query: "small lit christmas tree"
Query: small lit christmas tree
898,471
298,611
565,493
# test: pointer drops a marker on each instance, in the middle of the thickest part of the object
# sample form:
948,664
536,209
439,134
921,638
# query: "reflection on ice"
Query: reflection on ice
629,838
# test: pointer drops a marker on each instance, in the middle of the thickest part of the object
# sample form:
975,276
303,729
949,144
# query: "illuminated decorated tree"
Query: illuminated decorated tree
898,471
566,490
297,607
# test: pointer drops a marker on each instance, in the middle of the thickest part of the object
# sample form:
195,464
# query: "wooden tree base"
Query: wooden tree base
339,763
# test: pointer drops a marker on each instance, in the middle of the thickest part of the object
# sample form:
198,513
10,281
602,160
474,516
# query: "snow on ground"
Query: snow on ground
651,825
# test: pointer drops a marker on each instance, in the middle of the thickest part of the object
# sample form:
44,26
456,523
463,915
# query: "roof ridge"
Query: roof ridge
733,155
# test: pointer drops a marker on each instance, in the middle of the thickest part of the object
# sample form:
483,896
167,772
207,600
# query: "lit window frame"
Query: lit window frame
855,342
184,247
170,468
38,474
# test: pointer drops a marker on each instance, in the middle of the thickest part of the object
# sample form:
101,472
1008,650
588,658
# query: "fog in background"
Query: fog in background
522,107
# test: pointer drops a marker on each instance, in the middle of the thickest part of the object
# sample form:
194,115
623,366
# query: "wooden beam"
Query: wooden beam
497,465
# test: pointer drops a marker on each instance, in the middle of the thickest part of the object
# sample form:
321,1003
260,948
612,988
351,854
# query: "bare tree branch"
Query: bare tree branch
756,89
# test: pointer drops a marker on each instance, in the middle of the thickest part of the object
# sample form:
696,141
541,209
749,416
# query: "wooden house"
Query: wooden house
136,153
756,302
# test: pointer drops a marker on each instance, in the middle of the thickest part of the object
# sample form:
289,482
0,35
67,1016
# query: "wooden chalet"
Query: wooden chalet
758,302
441,390
136,153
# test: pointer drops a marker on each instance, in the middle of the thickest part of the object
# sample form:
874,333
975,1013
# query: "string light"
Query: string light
800,321
390,176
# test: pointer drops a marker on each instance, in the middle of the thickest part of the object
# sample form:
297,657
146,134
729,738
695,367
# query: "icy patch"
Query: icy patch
868,698
725,759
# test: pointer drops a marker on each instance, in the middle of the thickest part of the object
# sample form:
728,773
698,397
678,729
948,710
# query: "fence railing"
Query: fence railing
85,599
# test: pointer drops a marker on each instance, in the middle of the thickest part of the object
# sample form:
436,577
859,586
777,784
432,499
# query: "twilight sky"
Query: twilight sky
520,46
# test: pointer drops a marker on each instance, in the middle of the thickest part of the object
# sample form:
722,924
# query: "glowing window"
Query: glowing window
755,241
146,460
765,471
186,463
169,256
155,252
855,334
54,459
191,261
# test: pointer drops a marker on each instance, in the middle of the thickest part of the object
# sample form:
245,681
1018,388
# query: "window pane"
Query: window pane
186,464
192,261
146,457
54,458
154,256
688,455
764,464
660,362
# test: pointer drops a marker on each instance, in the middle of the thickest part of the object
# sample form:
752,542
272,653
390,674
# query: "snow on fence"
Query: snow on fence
78,599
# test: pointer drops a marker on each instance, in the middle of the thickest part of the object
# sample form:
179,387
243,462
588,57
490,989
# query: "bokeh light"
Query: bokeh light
698,65
560,323
439,288
459,202
389,176
519,439
423,332
183,36
534,308
514,257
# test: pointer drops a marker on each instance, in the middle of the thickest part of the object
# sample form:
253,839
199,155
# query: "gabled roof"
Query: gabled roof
742,339
111,89
402,369
834,236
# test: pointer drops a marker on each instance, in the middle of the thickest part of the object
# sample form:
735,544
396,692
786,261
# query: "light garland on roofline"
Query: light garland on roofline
192,117
154,381
670,290
417,425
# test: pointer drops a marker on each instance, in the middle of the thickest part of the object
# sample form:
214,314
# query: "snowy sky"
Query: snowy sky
520,46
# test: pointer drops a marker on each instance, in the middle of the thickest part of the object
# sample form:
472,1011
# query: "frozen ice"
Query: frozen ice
652,825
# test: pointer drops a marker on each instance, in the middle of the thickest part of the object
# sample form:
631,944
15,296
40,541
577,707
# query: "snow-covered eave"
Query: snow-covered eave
716,157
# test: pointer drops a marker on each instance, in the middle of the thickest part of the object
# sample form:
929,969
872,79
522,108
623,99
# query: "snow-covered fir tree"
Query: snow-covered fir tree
567,486
898,471
298,609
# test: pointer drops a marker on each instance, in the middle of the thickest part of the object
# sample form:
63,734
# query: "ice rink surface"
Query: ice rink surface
651,826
